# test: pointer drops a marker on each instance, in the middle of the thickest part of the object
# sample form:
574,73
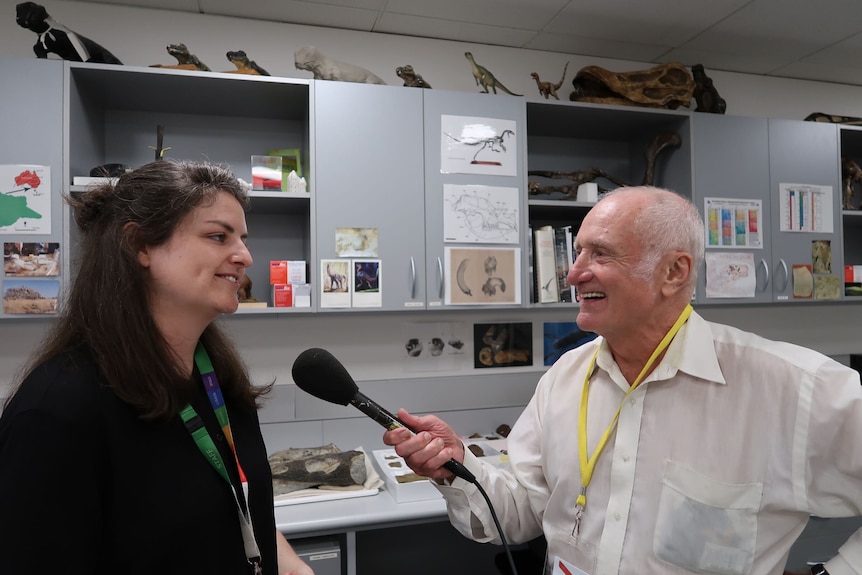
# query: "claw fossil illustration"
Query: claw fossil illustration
491,285
459,277
491,265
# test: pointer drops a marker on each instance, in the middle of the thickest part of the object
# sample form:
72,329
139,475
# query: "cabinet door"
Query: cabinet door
439,103
369,174
731,168
805,153
32,127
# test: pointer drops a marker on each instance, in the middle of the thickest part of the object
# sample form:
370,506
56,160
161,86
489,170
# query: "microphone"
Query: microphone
317,372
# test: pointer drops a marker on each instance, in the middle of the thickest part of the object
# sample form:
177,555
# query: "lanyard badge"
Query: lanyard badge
206,445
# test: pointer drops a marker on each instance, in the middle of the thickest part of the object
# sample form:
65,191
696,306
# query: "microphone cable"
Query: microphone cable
466,475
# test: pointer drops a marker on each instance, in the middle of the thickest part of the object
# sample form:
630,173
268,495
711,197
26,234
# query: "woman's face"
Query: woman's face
195,275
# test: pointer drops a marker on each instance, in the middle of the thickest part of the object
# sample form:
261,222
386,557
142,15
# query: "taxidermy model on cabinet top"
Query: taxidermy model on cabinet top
410,77
547,88
325,68
54,38
243,65
185,59
485,78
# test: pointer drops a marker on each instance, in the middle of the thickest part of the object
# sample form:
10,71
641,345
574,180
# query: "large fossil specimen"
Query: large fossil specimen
661,142
301,468
664,86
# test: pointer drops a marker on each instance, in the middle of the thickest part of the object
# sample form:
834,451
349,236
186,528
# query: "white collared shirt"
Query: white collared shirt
717,462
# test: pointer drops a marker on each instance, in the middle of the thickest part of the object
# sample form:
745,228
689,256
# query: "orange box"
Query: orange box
277,272
848,274
282,295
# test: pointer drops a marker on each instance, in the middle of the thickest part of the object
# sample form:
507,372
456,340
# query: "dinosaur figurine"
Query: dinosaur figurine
410,77
54,38
546,88
243,65
185,59
486,79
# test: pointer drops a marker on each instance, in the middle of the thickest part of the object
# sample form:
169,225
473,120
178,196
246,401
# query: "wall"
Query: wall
371,345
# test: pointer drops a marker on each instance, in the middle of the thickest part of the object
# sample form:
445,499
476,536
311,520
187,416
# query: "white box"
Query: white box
390,466
296,272
588,192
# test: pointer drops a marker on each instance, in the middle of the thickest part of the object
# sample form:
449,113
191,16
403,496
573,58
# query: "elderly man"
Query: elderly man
670,444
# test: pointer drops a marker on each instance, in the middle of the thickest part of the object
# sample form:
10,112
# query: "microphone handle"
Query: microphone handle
373,410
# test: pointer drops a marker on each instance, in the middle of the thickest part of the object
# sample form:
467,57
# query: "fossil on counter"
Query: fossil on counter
300,468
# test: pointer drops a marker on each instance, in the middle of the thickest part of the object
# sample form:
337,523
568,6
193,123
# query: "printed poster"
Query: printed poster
733,223
805,208
25,199
730,275
480,214
471,145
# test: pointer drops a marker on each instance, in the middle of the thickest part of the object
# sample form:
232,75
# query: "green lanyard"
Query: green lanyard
588,464
206,445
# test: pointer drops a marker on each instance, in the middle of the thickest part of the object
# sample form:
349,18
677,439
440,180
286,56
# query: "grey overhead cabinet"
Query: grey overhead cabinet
769,194
731,172
369,176
805,198
32,141
114,112
483,203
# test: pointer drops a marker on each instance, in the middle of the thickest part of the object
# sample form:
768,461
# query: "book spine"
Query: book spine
547,287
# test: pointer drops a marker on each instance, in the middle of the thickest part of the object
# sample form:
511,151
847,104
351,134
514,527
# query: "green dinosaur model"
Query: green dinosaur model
486,79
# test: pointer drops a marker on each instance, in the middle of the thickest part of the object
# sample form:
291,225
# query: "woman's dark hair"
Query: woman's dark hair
106,310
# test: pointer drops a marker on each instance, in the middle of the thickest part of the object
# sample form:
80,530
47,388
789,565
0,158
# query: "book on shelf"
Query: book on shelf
530,266
545,264
91,180
563,259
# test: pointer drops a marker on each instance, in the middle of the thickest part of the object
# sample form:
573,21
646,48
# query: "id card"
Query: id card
562,567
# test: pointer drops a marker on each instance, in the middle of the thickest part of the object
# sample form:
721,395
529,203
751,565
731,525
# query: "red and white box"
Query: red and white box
282,295
277,272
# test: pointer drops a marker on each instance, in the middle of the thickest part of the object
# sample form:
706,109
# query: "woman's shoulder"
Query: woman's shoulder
69,382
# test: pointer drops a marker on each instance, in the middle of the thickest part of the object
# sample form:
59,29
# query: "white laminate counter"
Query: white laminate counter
355,514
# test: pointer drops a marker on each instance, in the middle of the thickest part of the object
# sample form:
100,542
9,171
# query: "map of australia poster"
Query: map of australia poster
25,199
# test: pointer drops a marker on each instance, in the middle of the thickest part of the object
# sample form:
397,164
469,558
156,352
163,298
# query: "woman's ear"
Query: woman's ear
130,236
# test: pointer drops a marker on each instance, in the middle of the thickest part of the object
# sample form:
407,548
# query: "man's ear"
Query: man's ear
677,272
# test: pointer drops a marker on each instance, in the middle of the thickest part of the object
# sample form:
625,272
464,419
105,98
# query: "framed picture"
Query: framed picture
290,160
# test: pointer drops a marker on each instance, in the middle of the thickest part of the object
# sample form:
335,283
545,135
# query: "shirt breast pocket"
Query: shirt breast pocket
704,525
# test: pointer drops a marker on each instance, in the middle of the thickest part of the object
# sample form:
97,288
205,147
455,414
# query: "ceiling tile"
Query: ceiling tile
744,63
295,12
664,22
525,15
178,5
821,73
602,48
448,30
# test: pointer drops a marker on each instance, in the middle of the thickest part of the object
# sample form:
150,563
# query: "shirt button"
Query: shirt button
626,458
632,401
617,516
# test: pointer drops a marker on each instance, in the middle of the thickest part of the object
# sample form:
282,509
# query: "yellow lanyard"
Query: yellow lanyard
588,464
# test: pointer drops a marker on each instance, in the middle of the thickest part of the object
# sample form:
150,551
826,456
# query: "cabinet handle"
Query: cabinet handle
412,278
440,275
786,274
766,272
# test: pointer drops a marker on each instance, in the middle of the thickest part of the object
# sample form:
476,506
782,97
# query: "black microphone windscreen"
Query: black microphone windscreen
316,371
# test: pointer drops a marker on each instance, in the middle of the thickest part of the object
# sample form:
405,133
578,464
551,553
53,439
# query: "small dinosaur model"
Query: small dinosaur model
54,38
185,59
243,65
485,78
548,89
410,77
326,68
